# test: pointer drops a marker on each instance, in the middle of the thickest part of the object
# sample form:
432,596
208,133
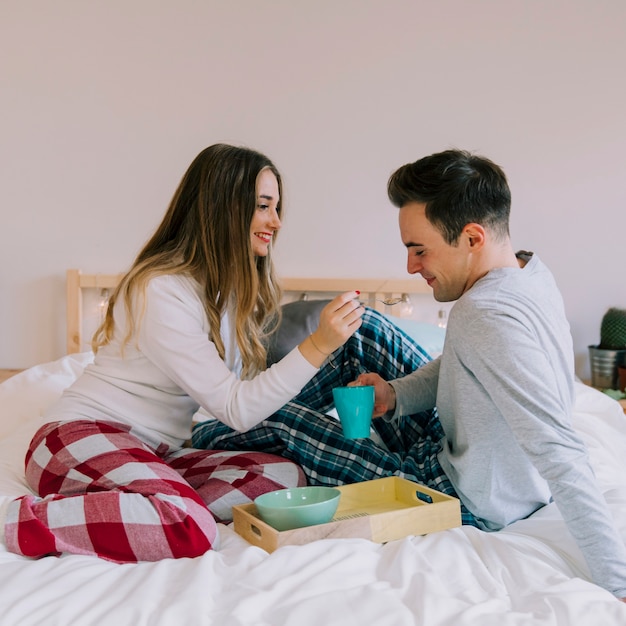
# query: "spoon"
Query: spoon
388,301
391,301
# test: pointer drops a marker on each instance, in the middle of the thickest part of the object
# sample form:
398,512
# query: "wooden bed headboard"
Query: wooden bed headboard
372,291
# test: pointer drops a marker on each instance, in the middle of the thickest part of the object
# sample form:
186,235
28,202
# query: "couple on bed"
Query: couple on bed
188,327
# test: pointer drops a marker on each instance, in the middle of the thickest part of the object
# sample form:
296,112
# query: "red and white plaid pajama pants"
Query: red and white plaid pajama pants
104,492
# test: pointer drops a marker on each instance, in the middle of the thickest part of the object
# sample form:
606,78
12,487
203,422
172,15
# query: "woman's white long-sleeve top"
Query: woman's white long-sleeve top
170,368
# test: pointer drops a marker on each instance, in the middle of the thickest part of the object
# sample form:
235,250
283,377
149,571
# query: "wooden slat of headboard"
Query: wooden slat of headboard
372,290
76,281
365,285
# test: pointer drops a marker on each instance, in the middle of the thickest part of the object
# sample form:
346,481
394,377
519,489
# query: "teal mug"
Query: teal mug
355,406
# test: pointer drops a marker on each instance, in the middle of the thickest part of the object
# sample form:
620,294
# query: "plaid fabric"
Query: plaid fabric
105,492
301,431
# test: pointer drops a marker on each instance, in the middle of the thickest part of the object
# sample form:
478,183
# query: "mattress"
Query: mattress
530,573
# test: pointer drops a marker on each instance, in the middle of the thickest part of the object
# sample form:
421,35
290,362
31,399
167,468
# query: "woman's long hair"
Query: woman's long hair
205,234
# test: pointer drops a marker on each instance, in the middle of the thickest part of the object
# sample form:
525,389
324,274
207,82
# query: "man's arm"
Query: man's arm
410,394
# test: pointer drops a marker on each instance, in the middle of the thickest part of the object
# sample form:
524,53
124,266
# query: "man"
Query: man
503,386
501,438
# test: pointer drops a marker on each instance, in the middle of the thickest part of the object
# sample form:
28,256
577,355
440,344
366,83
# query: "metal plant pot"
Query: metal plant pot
604,367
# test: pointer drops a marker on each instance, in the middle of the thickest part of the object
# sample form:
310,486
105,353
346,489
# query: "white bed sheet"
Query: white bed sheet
528,574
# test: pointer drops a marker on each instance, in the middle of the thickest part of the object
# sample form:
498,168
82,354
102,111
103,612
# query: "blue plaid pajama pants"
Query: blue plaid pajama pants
302,432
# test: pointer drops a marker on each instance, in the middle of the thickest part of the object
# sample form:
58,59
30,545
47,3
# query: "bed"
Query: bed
531,573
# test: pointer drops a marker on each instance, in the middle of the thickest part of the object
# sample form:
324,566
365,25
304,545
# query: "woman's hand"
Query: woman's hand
339,319
384,393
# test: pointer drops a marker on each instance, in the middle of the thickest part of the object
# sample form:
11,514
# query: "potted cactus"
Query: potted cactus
610,354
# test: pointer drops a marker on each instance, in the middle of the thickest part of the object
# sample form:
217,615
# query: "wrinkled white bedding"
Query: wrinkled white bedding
528,574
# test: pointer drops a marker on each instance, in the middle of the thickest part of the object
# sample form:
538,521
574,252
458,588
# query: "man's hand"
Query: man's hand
385,394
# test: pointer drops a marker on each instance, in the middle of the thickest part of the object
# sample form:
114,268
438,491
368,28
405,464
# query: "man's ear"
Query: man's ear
475,236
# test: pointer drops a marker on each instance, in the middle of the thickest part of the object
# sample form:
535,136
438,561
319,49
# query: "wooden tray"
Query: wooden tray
380,510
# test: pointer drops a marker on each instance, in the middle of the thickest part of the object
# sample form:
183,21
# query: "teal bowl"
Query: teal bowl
286,509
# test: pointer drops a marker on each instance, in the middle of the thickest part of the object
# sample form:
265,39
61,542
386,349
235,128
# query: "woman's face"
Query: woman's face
265,221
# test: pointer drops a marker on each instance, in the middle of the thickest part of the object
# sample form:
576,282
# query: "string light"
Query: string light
405,308
103,303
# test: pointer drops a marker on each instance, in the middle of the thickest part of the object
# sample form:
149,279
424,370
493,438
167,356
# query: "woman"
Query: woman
185,329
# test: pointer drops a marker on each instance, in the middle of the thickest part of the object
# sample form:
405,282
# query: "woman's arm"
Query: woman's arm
174,336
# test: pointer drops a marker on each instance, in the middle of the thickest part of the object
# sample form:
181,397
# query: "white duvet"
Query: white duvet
528,574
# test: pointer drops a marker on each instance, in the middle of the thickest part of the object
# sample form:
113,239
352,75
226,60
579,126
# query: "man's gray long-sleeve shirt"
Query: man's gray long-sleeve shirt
503,388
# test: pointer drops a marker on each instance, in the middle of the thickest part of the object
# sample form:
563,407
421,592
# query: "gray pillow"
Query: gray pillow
299,320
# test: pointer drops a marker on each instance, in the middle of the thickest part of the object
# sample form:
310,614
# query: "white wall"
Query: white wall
104,104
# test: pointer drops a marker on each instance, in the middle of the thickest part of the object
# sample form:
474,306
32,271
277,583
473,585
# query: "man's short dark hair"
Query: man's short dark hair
458,188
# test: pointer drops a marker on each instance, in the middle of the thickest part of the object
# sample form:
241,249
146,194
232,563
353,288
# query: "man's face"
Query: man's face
445,268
